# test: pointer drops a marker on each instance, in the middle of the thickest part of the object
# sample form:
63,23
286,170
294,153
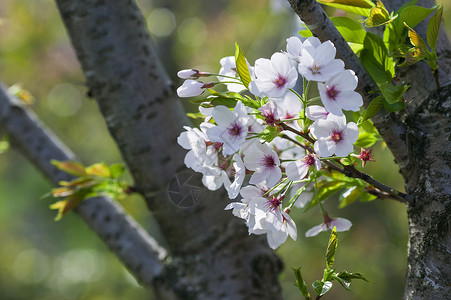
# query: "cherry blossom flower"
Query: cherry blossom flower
288,107
192,88
298,169
191,74
200,154
228,68
319,64
334,136
203,155
250,208
232,127
295,46
233,188
269,112
265,163
279,229
275,222
338,93
365,155
274,76
340,224
316,112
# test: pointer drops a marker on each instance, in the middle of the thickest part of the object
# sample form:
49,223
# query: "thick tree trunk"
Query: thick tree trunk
428,178
212,256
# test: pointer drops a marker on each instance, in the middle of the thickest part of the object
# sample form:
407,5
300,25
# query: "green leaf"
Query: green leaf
300,284
349,276
397,106
331,248
373,108
394,34
351,30
392,93
349,196
195,116
378,16
241,66
306,33
344,278
413,15
322,287
367,197
365,140
71,167
117,170
359,7
434,27
269,133
327,189
368,126
249,102
376,60
344,283
226,99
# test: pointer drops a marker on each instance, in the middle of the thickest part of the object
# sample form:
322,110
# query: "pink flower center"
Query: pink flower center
270,118
309,160
234,129
336,136
289,116
274,203
216,145
267,161
280,81
365,155
332,92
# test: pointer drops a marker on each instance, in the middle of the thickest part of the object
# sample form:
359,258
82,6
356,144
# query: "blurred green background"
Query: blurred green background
43,259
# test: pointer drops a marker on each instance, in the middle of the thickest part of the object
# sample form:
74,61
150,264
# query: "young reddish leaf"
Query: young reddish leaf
66,205
98,169
417,41
62,192
71,167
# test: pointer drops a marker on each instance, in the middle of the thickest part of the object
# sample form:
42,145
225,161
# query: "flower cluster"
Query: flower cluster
263,132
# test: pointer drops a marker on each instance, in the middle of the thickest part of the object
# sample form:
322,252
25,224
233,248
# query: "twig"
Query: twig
349,171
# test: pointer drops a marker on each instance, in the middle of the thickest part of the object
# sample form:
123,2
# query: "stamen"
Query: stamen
332,92
336,136
234,129
280,81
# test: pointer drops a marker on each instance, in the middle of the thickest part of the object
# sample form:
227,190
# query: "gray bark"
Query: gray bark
419,138
212,256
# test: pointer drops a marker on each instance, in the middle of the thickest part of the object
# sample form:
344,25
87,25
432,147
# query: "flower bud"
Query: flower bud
188,74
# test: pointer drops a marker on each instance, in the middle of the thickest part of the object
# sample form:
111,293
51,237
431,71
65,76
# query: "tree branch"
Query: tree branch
139,252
